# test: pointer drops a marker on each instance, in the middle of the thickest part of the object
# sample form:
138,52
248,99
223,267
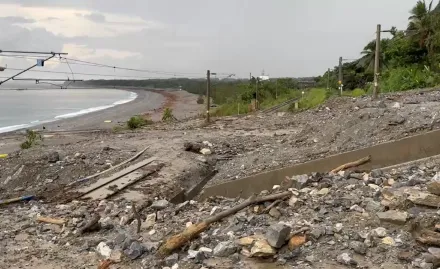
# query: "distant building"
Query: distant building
263,78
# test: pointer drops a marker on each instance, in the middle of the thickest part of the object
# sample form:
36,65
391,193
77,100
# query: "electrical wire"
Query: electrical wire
87,74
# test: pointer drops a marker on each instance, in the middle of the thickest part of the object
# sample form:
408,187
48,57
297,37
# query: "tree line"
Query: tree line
408,59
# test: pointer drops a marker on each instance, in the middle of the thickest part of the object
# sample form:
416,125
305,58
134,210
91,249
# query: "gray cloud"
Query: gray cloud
13,19
284,37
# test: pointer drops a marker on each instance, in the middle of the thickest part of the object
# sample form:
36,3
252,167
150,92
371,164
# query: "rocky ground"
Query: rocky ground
345,220
236,147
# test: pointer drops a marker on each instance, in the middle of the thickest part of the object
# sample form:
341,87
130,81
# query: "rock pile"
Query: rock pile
344,220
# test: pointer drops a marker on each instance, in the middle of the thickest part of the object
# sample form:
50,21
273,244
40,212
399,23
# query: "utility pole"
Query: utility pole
328,79
276,89
340,75
256,94
376,62
208,94
250,76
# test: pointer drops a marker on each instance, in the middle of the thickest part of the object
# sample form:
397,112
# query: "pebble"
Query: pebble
276,235
346,259
160,204
224,249
379,232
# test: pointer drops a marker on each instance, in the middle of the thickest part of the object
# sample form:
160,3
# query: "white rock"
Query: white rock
374,187
213,210
338,227
276,187
104,250
379,232
206,143
396,105
205,249
206,151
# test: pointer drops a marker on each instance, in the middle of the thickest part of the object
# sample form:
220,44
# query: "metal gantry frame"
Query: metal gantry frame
37,81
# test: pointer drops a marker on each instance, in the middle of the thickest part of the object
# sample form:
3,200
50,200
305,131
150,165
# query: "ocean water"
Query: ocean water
25,108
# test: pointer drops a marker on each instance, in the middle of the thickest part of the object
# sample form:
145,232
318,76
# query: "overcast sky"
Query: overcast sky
290,38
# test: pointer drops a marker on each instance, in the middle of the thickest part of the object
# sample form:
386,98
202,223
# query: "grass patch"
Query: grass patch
312,98
136,122
32,139
167,114
354,93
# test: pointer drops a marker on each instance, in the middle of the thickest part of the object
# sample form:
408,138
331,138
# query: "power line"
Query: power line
83,74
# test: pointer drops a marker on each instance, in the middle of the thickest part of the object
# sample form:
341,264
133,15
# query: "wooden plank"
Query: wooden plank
104,181
115,186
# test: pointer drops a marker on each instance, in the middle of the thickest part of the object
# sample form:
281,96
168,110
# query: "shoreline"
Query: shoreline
144,102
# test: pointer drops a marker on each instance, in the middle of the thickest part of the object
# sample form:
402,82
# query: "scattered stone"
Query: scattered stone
373,206
338,227
425,199
405,256
224,249
374,187
323,191
196,255
300,181
213,210
262,248
293,201
135,250
149,221
434,187
357,208
393,216
245,241
275,213
104,250
53,157
297,241
346,259
435,252
379,232
160,204
358,247
396,105
205,250
277,234
172,259
116,256
388,241
206,151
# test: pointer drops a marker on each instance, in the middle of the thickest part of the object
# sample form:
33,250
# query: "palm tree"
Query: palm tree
369,54
422,25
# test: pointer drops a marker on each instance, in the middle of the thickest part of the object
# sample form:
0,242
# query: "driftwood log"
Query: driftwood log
351,164
175,242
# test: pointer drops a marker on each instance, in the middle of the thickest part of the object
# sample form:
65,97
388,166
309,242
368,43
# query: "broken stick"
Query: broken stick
178,240
51,220
351,164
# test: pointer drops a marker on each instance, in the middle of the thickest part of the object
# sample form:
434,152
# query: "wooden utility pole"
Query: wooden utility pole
328,79
276,89
340,75
256,94
376,63
208,94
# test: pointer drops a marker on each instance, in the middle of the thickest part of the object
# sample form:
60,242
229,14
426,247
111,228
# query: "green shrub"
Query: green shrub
167,114
136,122
408,78
32,139
354,93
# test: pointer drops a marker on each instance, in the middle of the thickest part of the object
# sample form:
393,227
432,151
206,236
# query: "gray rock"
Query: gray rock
435,252
160,204
317,232
135,250
53,157
198,256
373,206
393,216
277,234
358,247
379,232
225,249
172,259
346,259
300,181
434,187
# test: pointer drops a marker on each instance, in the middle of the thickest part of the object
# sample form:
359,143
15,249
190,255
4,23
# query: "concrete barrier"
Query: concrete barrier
382,155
